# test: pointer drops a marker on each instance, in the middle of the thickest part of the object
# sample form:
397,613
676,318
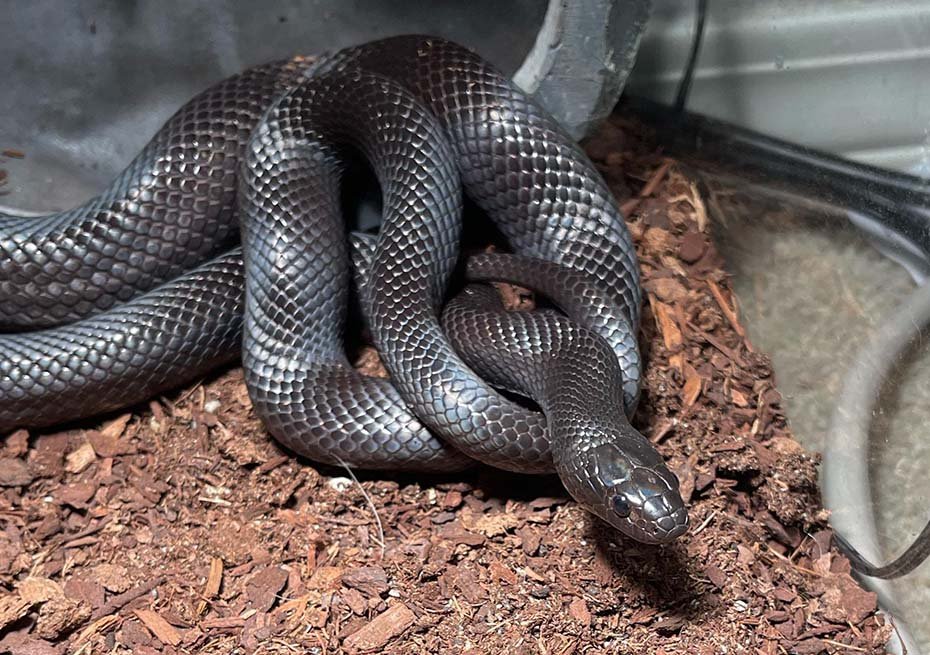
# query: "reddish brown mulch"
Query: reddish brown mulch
182,528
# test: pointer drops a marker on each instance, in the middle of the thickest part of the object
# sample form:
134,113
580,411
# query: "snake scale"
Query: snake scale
144,287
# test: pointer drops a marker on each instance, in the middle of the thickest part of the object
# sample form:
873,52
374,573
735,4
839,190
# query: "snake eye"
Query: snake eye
621,507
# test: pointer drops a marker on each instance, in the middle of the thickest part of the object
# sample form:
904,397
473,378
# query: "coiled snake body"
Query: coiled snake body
138,290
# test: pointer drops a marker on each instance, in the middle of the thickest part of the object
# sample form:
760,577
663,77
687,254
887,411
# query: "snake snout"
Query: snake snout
657,513
665,517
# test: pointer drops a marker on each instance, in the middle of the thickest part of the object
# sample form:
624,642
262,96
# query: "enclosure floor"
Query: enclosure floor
180,527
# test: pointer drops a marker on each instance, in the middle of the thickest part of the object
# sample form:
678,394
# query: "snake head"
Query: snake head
647,505
631,488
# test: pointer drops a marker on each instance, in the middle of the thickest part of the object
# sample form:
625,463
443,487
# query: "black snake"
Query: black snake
139,290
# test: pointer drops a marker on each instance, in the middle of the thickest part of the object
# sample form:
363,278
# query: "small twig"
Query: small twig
190,392
845,646
797,550
656,179
86,532
222,623
737,520
792,564
715,342
215,501
371,504
123,599
651,185
273,463
212,587
661,431
894,626
699,208
704,523
96,627
729,312
83,541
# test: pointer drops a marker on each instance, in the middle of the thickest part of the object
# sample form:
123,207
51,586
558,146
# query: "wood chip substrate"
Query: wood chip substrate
181,527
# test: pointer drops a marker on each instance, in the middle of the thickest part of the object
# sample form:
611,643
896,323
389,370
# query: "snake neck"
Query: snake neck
573,374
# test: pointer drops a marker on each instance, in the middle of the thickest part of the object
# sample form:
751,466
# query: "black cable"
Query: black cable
684,87
913,557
